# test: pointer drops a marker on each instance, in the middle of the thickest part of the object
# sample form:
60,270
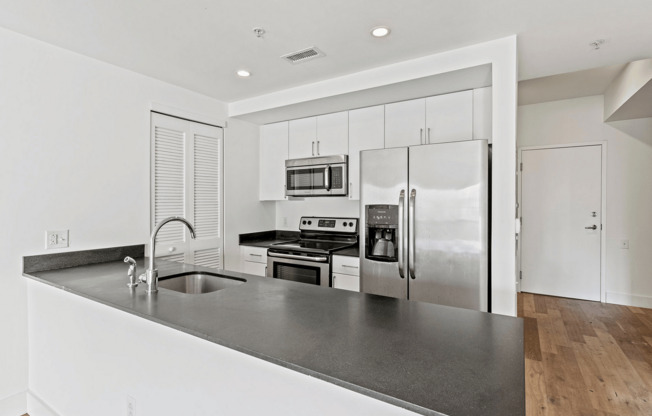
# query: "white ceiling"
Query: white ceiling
199,44
570,85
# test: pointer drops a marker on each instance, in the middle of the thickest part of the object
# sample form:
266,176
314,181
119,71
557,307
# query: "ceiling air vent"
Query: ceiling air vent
303,55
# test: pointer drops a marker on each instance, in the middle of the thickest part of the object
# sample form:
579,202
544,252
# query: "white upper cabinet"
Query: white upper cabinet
333,134
449,117
405,123
302,137
273,153
366,131
319,136
482,114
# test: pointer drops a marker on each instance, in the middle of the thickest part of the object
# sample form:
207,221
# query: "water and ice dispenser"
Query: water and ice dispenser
381,232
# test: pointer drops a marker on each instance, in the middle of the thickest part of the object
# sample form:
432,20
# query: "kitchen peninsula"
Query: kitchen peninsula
265,346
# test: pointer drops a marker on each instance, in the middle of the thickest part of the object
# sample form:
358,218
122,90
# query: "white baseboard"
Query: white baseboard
15,405
37,407
629,299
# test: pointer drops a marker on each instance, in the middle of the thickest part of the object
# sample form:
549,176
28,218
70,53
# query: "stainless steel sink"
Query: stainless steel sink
197,283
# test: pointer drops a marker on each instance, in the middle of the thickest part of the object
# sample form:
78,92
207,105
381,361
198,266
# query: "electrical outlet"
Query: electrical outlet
56,239
624,244
131,406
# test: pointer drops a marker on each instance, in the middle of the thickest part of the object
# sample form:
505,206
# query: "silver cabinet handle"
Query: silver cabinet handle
327,175
317,147
420,136
350,267
313,148
428,135
593,227
350,190
256,255
411,266
401,203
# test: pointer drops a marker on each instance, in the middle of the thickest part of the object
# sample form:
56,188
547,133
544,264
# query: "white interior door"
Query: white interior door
561,203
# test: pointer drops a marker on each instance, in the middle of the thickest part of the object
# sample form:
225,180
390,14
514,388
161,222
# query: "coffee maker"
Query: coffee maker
382,233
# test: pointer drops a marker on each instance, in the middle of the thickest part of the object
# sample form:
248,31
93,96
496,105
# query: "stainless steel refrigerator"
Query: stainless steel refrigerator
424,225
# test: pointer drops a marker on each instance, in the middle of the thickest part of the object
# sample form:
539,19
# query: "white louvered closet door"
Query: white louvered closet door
187,181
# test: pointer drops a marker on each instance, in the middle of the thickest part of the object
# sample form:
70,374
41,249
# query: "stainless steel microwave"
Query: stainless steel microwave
317,176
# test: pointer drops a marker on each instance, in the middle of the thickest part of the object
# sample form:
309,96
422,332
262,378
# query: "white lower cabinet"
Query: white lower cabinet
254,260
346,273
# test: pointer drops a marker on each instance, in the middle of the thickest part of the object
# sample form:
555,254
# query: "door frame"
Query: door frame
603,232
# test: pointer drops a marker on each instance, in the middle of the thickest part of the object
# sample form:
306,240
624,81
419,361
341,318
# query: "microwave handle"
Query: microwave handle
327,178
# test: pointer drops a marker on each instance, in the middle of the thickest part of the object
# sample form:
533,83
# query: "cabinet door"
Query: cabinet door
273,153
482,113
405,123
366,131
257,269
346,282
449,117
302,138
332,134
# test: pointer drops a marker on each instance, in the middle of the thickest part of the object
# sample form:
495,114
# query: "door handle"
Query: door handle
428,135
317,147
327,177
420,136
593,227
313,148
411,266
401,203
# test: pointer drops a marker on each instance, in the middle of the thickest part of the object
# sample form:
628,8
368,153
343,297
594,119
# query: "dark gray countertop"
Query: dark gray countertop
267,239
349,252
431,359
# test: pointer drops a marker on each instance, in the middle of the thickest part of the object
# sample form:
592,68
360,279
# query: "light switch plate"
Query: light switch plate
56,239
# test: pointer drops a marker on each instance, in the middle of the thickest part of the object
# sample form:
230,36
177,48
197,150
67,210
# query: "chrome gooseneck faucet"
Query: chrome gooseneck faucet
150,277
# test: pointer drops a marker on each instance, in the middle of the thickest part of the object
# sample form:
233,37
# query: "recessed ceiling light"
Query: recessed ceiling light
243,73
380,31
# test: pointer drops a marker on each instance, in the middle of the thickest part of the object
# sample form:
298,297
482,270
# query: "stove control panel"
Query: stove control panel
337,225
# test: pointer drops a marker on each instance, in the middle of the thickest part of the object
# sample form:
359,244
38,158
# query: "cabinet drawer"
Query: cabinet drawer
346,265
346,282
254,254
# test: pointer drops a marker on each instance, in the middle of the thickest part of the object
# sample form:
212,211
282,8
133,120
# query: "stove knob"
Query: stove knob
304,222
309,222
350,224
344,223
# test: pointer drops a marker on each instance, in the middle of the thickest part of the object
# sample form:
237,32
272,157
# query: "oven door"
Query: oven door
316,180
313,269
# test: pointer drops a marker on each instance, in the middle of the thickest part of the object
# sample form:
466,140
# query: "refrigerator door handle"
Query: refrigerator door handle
413,196
401,219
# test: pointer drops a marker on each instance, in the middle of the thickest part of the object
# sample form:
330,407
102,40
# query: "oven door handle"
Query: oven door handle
321,259
327,177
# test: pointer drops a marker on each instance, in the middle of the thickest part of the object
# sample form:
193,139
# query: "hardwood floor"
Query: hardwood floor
586,358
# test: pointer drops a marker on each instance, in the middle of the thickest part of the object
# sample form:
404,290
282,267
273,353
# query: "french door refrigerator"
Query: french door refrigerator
425,223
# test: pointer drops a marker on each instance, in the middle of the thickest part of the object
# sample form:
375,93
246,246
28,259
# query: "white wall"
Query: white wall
629,193
74,154
168,372
244,213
